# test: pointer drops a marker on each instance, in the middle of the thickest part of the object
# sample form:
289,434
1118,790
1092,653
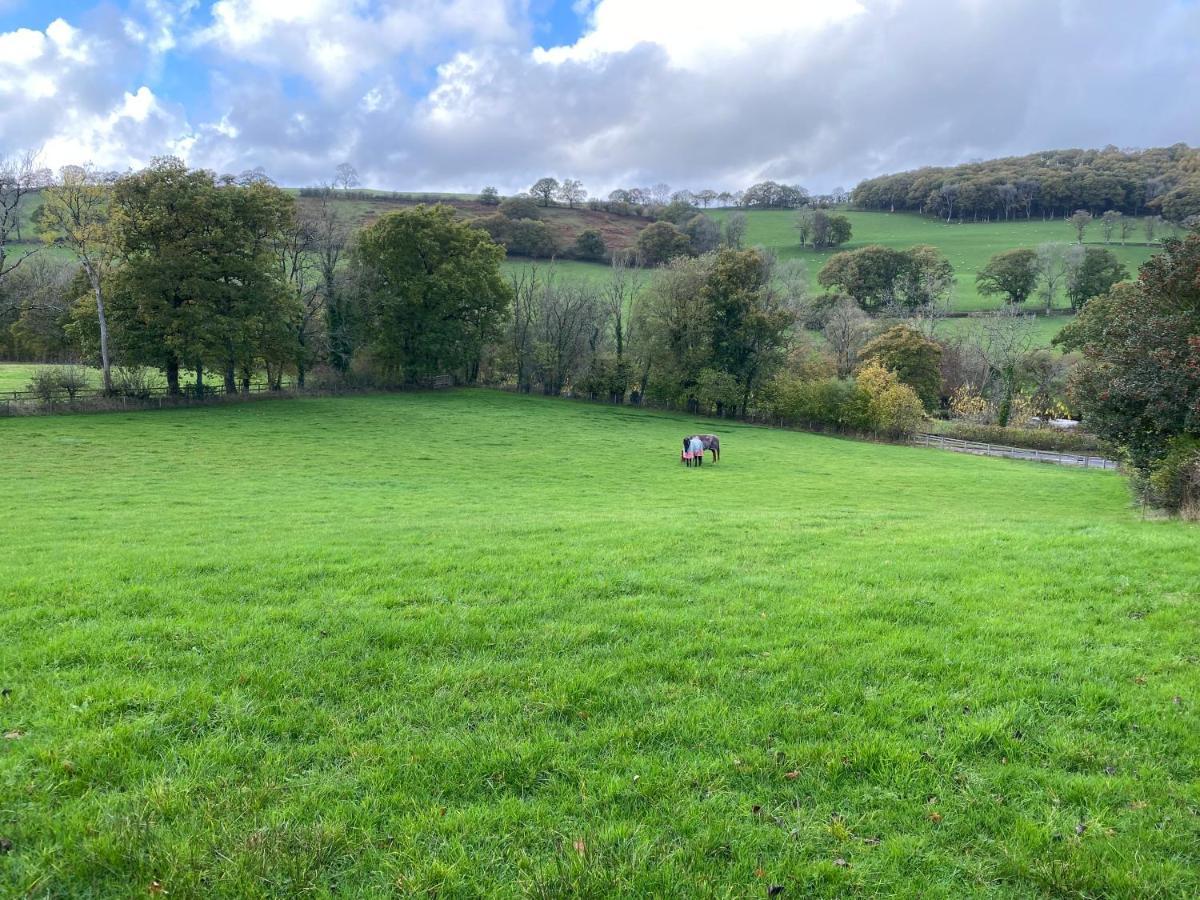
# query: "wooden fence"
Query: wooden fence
1083,460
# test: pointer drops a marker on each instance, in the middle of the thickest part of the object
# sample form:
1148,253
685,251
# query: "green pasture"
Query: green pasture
478,644
968,246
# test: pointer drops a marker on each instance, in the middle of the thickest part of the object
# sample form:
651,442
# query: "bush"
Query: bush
1174,481
530,237
519,208
893,407
590,245
50,383
132,381
836,403
1029,438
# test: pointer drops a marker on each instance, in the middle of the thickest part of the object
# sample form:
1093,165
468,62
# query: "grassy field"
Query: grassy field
968,246
350,647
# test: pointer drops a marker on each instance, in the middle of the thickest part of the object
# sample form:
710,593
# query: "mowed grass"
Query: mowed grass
476,644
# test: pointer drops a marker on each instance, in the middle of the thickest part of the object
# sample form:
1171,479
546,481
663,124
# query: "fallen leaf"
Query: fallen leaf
871,841
637,778
792,776
580,847
1080,828
13,735
156,888
1177,700
1141,679
759,873
935,817
5,845
841,863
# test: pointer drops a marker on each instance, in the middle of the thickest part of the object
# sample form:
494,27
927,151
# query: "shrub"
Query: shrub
916,360
590,245
50,383
132,381
1029,438
519,208
894,407
1174,480
530,237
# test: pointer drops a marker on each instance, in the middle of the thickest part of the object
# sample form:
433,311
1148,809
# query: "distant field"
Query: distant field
968,246
329,647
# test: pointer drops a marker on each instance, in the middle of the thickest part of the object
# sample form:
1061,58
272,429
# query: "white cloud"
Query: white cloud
333,42
695,33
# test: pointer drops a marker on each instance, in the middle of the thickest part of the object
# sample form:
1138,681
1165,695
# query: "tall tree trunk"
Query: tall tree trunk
199,379
173,376
105,362
230,378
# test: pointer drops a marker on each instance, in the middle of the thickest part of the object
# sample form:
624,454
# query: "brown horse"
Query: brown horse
710,441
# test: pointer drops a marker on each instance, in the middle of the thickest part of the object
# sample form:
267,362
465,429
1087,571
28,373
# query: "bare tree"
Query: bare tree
1055,262
1127,224
18,176
707,196
567,321
660,194
846,329
75,214
620,298
571,192
1003,339
1150,225
527,294
297,249
346,177
330,235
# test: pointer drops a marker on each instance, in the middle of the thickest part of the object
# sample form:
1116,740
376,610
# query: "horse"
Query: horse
710,441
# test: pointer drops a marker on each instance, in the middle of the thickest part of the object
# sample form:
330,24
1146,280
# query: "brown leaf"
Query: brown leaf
580,847
759,873
156,888
841,863
13,735
935,817
792,776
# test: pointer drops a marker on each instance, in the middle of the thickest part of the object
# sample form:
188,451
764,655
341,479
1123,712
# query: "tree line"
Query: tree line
1051,184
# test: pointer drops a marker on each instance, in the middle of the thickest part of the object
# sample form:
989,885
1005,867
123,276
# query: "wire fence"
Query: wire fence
979,448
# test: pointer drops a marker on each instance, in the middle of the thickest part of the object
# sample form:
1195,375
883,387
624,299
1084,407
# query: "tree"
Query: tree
804,225
568,317
620,298
1003,340
571,192
706,196
660,194
1098,271
18,176
1109,222
1149,226
871,274
1013,273
1126,225
544,190
829,230
735,230
1080,220
75,213
1138,384
916,360
330,238
703,232
489,196
345,177
846,329
771,195
1055,263
660,242
926,281
434,292
590,245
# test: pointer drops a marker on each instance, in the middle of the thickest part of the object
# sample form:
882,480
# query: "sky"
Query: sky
458,94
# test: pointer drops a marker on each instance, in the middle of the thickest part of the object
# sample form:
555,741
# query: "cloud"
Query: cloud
421,94
333,42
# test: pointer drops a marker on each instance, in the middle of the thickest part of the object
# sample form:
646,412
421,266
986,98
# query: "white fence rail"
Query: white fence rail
1083,460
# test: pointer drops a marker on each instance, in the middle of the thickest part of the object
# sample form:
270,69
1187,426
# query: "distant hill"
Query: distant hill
1050,184
364,207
